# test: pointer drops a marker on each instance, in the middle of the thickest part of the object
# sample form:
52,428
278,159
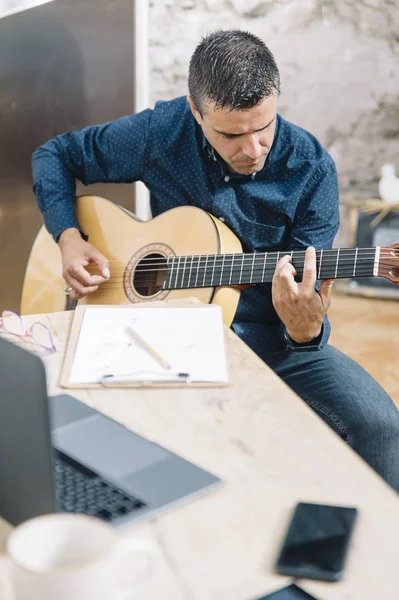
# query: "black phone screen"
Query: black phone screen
317,541
292,592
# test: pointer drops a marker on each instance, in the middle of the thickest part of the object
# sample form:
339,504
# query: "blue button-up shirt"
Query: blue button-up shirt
292,203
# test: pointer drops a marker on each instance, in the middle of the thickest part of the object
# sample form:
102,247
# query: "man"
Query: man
225,149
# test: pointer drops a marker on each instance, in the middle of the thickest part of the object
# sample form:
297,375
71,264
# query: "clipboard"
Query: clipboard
75,333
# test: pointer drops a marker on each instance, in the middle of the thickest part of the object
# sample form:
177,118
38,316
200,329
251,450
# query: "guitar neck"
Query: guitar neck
244,269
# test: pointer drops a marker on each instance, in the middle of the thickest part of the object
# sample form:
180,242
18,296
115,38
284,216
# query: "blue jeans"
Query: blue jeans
344,395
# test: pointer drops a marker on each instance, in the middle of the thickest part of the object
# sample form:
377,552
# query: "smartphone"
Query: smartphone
292,592
317,541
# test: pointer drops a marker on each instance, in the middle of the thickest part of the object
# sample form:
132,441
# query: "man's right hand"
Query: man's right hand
77,254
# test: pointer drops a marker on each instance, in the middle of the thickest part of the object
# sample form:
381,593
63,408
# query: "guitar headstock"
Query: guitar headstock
389,263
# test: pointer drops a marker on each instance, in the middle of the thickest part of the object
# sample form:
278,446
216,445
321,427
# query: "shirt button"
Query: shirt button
227,179
221,219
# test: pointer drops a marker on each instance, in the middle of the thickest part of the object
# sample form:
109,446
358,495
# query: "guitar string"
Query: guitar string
237,268
256,262
252,264
301,250
114,282
362,253
384,261
144,274
159,289
243,258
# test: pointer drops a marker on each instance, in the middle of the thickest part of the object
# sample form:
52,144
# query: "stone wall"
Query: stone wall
338,60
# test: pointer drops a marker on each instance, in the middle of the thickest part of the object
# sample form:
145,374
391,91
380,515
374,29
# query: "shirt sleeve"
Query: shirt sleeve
110,153
316,224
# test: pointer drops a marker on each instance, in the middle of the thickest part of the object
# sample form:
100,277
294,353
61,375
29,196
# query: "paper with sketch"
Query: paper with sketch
190,339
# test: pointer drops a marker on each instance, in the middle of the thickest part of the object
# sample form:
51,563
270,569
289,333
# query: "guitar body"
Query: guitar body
182,252
125,240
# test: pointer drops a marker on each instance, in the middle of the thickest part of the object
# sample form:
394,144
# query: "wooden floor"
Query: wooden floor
367,329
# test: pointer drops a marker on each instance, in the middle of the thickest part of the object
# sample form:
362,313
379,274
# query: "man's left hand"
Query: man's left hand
299,306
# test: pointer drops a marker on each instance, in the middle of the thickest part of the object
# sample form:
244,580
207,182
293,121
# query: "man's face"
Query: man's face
243,138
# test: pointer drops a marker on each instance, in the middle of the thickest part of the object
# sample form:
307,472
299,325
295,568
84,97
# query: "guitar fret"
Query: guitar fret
336,265
264,267
231,269
221,270
184,272
242,266
321,258
259,267
206,263
197,273
190,272
171,272
354,266
177,271
213,270
252,269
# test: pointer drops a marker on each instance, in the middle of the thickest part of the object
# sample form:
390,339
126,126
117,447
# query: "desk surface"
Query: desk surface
271,451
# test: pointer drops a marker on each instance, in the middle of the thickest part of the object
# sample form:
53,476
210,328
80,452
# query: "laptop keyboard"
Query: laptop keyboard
80,490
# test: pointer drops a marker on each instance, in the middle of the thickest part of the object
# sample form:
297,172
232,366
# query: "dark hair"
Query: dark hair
232,69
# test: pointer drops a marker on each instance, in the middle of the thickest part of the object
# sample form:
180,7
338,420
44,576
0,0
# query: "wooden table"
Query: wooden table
271,451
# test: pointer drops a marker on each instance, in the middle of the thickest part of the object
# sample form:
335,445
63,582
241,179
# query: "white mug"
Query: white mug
74,557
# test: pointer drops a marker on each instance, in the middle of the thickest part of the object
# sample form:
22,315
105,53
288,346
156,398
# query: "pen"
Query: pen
179,375
111,378
162,361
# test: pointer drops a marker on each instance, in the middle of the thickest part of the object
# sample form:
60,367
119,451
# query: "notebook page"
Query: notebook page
190,339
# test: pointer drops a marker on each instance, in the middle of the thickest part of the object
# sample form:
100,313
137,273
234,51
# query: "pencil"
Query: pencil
162,361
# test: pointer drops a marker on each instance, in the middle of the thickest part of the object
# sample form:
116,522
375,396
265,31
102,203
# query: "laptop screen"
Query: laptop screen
26,475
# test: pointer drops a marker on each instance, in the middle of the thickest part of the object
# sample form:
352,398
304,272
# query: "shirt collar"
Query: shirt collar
206,147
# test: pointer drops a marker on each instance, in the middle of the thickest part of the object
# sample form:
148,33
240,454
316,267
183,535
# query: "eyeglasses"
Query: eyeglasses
37,335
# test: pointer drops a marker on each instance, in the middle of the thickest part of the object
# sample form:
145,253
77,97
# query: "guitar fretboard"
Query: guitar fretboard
242,269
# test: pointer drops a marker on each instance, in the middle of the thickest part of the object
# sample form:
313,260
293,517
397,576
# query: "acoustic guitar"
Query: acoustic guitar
182,252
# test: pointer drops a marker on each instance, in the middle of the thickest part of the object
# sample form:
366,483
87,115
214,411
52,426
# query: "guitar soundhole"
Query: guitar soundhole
146,273
150,274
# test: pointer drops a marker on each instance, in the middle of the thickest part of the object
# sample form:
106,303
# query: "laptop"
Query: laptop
59,455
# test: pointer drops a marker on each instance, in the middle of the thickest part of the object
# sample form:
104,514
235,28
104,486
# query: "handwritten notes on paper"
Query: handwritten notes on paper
190,339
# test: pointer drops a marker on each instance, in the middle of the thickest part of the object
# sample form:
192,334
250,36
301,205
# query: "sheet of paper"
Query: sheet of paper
190,339
10,7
